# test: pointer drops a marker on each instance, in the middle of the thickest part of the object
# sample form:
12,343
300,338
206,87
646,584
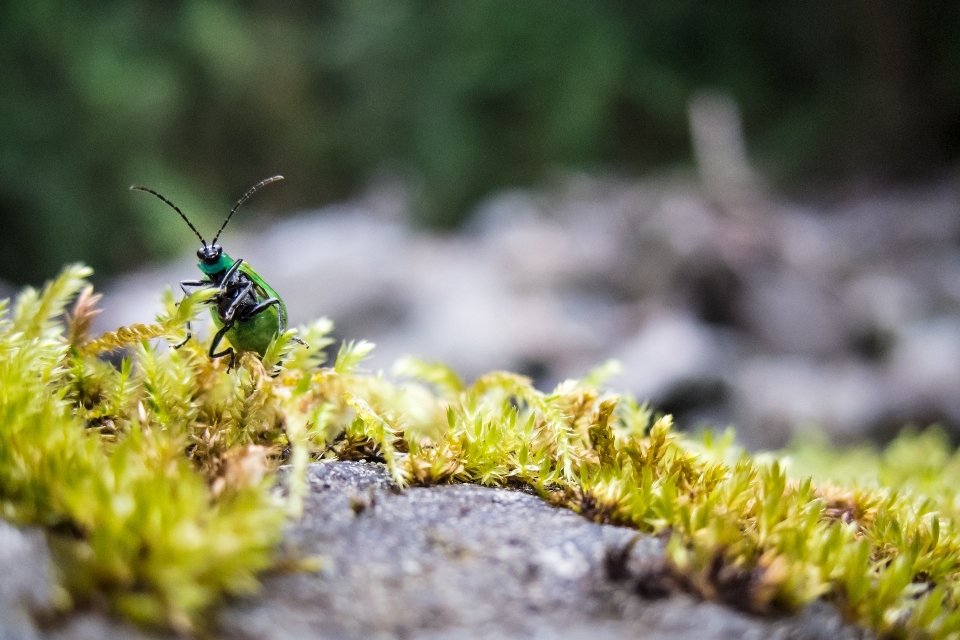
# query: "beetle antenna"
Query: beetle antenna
243,199
175,208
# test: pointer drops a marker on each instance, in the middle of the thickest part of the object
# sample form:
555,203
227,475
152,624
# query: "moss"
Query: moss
155,478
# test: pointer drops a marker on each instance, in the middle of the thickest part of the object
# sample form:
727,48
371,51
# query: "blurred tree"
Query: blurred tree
200,98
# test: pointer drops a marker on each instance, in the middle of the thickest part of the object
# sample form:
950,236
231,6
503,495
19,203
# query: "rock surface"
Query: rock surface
464,561
25,580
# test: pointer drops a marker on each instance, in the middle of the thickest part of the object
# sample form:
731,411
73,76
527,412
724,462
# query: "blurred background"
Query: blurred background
755,207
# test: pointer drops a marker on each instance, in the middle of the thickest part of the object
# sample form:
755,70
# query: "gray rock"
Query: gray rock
808,245
777,395
718,143
791,313
671,348
924,370
93,625
464,561
883,301
25,580
893,223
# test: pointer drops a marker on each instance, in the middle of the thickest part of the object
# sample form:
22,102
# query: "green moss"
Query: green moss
155,479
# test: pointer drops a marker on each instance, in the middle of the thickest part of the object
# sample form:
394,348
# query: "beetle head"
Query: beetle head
209,254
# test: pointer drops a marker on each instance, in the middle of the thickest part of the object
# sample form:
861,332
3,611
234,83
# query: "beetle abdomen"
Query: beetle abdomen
255,334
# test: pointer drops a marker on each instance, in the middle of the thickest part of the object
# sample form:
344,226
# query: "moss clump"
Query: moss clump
154,478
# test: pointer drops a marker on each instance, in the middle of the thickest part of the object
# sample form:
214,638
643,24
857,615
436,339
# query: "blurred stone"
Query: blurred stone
809,246
791,313
94,625
776,395
881,225
924,371
671,349
948,279
686,223
25,580
887,301
6,290
719,145
466,311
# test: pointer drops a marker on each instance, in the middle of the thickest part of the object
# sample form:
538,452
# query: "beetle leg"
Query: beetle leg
192,283
228,314
226,352
232,270
281,318
300,341
183,287
187,339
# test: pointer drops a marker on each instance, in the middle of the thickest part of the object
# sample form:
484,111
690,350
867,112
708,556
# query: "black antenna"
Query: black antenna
175,208
243,199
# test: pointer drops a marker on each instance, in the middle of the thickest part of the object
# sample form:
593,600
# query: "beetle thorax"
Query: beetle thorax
213,260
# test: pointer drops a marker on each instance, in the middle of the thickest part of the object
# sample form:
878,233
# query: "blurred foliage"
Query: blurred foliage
199,99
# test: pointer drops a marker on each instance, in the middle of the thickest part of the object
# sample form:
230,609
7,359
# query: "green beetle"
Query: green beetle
247,311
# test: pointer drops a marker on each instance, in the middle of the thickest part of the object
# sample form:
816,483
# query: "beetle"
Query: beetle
246,310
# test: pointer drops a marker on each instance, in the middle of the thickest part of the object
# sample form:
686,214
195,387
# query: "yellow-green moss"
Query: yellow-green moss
154,478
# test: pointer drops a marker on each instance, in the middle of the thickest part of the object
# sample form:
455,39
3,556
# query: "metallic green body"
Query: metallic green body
255,333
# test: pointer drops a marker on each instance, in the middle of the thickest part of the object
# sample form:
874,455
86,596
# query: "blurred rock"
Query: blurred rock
6,290
25,580
719,145
924,371
776,394
808,246
794,314
670,349
887,302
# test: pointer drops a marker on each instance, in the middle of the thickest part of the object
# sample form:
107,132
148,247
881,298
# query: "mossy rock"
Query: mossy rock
154,475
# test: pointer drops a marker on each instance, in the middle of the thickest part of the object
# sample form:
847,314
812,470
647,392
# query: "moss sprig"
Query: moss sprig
169,324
